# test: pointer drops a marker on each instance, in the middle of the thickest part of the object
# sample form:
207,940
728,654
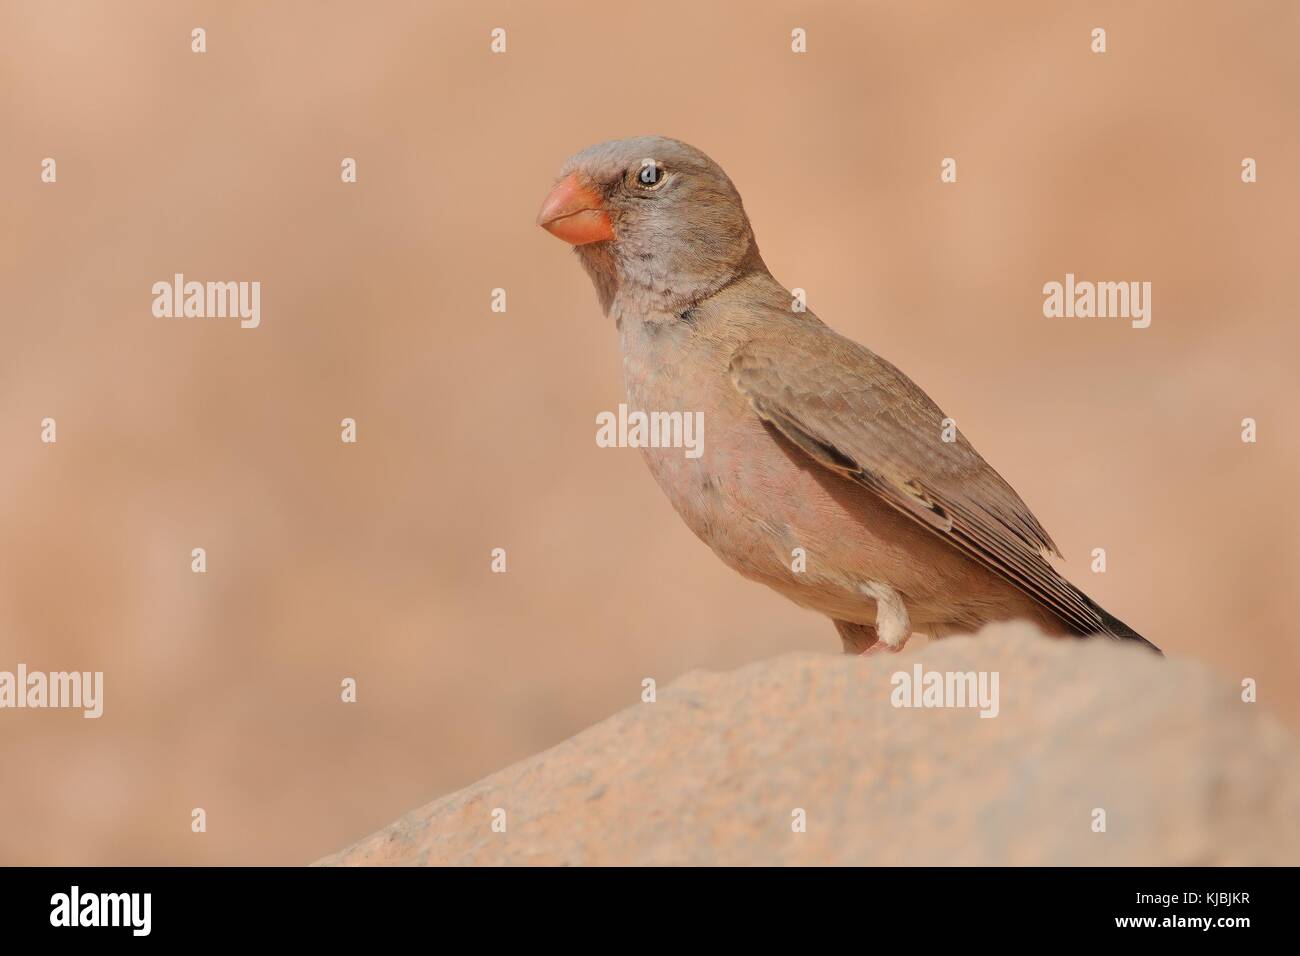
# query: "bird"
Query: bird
813,445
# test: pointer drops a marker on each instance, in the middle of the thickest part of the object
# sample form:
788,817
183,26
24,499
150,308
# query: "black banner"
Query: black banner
112,906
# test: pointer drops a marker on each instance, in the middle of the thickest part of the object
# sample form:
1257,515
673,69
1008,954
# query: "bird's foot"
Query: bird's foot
882,647
864,639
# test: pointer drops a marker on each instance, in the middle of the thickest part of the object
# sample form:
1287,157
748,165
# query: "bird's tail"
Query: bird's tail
1116,628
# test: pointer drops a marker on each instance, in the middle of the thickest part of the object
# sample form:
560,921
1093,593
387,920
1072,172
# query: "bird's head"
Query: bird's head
651,213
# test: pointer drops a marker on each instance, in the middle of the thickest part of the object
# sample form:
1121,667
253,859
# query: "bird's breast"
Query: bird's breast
715,483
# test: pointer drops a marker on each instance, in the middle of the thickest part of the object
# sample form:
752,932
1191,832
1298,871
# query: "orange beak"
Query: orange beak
575,213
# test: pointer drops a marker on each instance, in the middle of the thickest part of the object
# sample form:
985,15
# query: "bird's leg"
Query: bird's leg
892,629
862,639
893,625
856,638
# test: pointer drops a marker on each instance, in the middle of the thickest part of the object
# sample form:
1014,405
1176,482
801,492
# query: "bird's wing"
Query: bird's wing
856,414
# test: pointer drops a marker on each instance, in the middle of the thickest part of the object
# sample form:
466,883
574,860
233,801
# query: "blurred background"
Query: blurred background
476,429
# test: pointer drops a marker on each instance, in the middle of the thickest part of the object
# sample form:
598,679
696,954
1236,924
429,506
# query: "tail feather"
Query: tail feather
1116,628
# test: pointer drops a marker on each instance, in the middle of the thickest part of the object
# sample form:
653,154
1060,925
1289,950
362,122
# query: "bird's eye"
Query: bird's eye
648,176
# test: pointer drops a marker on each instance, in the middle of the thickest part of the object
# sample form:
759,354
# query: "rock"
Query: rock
715,771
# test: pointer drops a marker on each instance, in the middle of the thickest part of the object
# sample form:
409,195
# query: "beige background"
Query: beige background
477,429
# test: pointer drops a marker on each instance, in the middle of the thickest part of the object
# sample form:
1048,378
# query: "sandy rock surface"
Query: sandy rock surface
714,771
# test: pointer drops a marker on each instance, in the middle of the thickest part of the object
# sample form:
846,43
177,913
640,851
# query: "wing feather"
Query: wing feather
858,415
